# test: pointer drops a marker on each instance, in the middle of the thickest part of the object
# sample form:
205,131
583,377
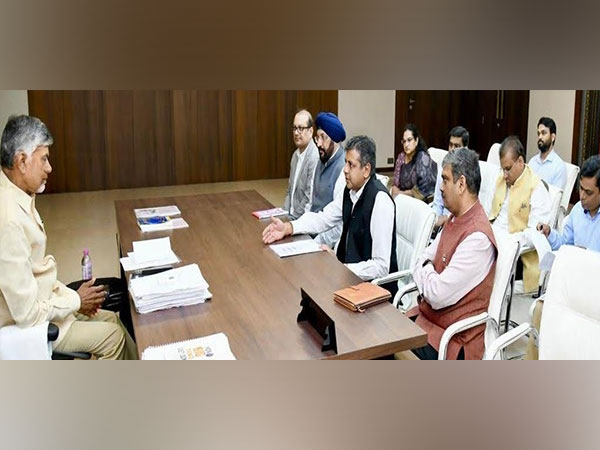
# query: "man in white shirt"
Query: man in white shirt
298,197
366,211
547,164
521,201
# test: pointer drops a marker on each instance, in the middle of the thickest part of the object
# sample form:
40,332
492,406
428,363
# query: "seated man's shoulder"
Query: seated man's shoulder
385,197
9,208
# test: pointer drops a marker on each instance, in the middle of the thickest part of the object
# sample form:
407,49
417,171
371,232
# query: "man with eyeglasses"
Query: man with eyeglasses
520,202
459,138
329,181
298,197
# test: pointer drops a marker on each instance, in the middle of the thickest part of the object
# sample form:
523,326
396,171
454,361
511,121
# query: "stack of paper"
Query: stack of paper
159,218
182,286
298,247
150,253
215,346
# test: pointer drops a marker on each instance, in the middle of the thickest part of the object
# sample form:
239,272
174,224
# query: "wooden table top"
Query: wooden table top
256,294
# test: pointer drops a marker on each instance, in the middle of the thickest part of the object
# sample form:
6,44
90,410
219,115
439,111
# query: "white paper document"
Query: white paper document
215,347
181,286
159,211
152,249
150,253
299,247
538,241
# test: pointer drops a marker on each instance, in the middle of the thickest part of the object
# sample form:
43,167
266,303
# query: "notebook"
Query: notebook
215,347
361,296
265,214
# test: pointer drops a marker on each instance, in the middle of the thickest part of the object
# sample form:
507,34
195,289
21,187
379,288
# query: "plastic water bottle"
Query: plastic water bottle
86,265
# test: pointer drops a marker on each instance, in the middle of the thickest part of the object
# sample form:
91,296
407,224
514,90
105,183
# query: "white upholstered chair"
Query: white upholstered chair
414,224
384,179
25,343
506,264
494,155
570,324
437,154
489,177
33,343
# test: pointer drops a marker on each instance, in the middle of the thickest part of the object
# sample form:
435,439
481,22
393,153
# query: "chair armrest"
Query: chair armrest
458,327
52,332
508,338
392,277
525,248
70,355
406,289
532,307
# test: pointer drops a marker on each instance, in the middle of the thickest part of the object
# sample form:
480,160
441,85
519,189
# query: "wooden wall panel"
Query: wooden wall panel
125,139
84,140
122,171
245,143
49,107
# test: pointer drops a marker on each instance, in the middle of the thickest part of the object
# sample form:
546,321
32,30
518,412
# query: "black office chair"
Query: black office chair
53,336
117,299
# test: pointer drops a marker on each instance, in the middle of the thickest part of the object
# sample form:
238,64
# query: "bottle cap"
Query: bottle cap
86,251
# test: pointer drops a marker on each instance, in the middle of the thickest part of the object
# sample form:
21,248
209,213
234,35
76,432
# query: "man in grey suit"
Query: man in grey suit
298,197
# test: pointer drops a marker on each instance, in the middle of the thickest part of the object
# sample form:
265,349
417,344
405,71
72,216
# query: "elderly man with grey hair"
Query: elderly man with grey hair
455,274
30,293
366,212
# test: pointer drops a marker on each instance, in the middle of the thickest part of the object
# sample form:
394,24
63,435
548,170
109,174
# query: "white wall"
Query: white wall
560,106
372,113
12,102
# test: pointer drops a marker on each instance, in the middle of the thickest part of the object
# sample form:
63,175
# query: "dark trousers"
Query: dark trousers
429,353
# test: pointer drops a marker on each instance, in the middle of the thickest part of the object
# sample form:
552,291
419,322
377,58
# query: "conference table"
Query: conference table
256,294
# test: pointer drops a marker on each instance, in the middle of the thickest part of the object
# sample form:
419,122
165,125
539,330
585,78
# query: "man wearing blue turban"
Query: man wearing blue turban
329,179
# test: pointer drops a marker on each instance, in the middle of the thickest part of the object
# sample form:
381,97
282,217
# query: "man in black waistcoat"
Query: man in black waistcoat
366,210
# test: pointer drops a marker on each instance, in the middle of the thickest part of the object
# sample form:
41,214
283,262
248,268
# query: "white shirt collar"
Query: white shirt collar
355,195
551,157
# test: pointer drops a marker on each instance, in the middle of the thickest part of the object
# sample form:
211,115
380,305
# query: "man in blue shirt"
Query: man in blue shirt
459,137
547,164
582,226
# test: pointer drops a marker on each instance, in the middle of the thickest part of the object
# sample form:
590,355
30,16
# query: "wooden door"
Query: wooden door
432,112
489,116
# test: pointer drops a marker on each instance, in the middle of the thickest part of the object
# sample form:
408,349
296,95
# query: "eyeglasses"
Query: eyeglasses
299,129
407,141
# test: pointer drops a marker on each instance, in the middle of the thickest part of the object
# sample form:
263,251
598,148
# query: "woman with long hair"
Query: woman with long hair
415,172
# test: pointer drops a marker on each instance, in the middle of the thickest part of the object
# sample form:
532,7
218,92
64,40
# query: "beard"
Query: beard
41,189
544,146
324,155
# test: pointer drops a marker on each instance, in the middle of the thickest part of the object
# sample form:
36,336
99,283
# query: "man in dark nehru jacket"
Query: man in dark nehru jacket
366,212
